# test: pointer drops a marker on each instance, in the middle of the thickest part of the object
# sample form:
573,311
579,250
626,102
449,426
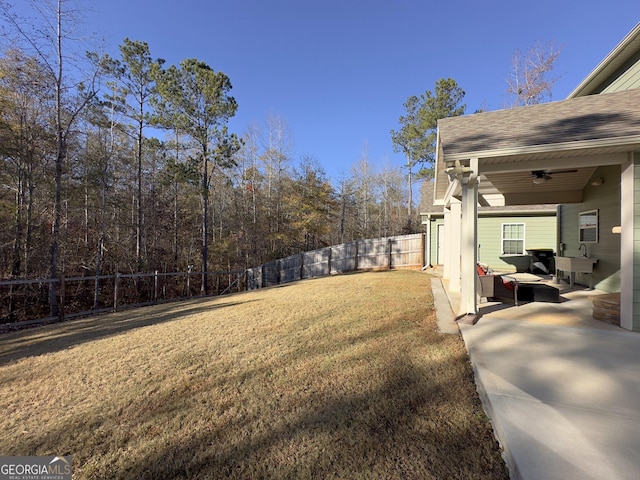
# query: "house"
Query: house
582,153
508,235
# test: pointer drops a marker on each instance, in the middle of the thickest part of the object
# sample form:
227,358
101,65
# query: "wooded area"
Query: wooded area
122,165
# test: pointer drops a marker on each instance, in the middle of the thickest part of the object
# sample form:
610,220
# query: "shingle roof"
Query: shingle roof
426,198
594,117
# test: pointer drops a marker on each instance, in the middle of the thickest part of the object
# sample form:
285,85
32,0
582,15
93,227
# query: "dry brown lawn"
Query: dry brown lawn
338,377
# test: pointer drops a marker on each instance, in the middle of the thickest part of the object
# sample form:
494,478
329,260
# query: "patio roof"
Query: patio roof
581,133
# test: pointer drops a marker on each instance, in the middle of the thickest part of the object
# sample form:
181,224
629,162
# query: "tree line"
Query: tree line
128,166
198,196
124,164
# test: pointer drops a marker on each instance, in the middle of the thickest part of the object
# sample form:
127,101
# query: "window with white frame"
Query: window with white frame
513,238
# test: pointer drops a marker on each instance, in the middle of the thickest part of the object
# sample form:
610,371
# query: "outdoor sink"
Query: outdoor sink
575,264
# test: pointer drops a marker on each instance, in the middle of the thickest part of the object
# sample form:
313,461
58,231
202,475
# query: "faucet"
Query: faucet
585,249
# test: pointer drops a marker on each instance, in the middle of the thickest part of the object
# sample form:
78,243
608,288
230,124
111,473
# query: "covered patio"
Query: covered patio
575,308
551,153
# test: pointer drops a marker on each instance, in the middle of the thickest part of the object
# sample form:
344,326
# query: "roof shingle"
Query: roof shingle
594,117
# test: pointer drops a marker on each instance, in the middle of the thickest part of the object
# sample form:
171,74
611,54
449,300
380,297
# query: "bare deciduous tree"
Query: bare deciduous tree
529,82
46,39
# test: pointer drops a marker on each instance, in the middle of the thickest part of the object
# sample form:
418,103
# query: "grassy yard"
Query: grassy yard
338,377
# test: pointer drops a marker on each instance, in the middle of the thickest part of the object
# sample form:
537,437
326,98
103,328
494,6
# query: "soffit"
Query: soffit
518,182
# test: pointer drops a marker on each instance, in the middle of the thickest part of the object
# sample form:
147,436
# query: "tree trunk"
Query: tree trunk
60,156
100,252
55,227
139,263
205,219
410,203
176,213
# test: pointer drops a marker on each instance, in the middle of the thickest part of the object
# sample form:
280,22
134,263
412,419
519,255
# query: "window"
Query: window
513,238
588,227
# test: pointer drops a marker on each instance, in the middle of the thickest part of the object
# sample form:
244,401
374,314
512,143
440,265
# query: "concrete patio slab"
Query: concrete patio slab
564,401
562,390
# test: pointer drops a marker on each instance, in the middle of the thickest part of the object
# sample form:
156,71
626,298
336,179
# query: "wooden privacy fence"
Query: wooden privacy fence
405,251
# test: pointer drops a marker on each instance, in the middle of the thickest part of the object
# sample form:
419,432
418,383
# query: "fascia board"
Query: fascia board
593,77
520,212
438,176
632,141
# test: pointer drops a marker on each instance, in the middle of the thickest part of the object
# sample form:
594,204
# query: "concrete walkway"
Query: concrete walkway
562,390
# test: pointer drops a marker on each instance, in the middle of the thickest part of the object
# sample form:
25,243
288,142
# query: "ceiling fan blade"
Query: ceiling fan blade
546,174
539,173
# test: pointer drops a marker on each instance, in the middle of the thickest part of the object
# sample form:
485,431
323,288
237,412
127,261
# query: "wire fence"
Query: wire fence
25,302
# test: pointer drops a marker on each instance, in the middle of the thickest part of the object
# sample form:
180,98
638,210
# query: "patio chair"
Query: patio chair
497,288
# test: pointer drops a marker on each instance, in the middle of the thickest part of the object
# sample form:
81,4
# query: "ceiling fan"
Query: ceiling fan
541,176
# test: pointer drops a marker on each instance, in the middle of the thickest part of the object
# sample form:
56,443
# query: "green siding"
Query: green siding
434,238
540,232
627,80
606,199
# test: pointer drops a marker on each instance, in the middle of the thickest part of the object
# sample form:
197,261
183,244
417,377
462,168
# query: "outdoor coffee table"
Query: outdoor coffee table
537,292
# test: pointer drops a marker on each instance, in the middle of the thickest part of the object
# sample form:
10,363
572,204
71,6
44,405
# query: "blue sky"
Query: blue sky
339,71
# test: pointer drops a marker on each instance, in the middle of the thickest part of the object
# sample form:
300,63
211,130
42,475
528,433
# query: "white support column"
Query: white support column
452,236
427,243
469,241
627,187
444,252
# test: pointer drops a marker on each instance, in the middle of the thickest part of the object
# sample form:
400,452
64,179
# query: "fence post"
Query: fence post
116,280
189,268
390,249
155,286
329,262
301,265
355,260
11,301
62,300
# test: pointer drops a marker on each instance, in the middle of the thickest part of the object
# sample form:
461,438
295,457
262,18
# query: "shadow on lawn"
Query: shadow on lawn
59,336
400,426
394,432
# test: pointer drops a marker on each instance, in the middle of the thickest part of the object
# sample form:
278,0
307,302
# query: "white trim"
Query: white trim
427,243
453,190
524,238
440,235
534,212
591,228
469,241
631,140
627,190
452,247
585,85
